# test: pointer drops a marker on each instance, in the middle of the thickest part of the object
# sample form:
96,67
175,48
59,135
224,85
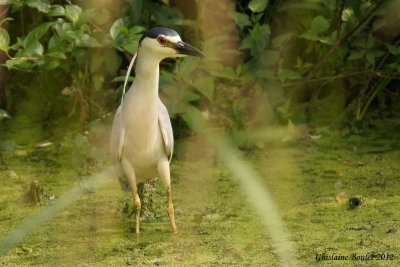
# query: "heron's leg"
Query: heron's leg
130,173
163,170
136,198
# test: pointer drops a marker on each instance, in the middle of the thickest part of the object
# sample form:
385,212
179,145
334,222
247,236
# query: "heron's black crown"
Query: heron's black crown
156,31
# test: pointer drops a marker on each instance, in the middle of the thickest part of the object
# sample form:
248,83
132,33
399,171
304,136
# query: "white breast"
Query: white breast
143,146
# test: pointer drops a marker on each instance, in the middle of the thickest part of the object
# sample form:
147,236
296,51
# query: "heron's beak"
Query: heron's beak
186,49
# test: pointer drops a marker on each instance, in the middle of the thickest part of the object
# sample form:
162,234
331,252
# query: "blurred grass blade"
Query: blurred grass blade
49,212
250,182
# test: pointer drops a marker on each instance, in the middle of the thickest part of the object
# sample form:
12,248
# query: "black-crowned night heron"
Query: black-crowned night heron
141,137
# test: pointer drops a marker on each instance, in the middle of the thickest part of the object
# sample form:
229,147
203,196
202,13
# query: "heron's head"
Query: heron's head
164,42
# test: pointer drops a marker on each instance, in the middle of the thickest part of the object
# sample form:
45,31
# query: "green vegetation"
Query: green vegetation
305,91
297,56
216,223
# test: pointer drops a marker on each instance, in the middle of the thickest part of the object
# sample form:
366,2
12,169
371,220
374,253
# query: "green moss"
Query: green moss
216,225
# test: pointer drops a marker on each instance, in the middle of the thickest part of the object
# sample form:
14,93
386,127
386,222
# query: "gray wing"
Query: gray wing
166,130
117,135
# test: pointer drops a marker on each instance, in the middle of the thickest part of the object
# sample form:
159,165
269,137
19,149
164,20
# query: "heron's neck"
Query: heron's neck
147,73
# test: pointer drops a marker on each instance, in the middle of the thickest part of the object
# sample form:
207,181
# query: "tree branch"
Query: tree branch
339,23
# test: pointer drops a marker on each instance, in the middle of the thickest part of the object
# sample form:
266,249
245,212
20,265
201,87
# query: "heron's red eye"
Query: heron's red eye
161,40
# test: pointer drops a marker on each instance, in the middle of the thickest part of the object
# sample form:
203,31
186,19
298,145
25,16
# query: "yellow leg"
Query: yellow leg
163,170
171,212
130,174
136,199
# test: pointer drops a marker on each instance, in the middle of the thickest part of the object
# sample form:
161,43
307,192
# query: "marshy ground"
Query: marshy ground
311,181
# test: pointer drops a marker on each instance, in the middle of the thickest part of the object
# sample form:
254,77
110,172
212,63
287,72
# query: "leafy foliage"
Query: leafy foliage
298,58
323,46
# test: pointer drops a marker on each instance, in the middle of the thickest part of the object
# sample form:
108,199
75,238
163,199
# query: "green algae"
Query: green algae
216,225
